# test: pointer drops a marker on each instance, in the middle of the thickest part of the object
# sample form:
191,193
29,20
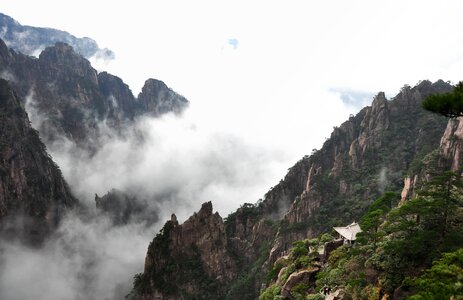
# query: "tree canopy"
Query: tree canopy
448,104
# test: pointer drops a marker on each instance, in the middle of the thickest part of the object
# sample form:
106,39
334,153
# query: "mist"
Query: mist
82,260
225,152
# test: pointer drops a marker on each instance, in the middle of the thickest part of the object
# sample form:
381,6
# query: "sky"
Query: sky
267,82
278,75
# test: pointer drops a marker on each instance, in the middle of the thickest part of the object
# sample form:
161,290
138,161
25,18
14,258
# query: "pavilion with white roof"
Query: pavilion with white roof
348,233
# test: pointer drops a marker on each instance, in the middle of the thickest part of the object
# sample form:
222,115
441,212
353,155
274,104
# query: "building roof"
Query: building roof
350,231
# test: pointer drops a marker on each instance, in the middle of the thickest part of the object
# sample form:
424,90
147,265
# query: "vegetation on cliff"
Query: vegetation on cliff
448,104
410,249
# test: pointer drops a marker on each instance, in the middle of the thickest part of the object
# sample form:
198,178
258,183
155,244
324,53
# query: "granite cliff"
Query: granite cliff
33,194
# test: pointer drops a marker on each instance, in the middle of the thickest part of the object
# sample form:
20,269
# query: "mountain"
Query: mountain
33,194
158,99
32,40
367,155
67,97
123,208
373,152
410,245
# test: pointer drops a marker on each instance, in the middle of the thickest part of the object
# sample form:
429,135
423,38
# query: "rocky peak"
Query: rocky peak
63,59
205,211
173,219
31,40
377,118
122,103
157,98
70,98
188,259
379,102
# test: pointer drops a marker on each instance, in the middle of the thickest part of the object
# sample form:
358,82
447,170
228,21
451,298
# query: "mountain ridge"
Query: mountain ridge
72,99
32,40
319,186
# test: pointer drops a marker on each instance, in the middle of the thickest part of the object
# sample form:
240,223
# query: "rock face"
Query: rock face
158,99
33,193
32,40
330,247
67,97
452,145
364,157
123,208
304,276
202,257
189,260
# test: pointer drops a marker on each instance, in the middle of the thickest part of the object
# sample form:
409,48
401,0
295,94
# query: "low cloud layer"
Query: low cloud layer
172,162
216,153
83,260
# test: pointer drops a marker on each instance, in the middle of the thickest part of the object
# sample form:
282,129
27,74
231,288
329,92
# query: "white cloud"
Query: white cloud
83,260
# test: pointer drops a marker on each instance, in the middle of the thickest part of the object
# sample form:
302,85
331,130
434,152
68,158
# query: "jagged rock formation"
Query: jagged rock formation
158,99
367,155
32,40
33,193
203,256
189,260
123,208
66,96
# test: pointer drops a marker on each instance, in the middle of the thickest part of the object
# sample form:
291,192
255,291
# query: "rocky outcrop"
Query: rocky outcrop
33,194
122,105
32,40
158,99
67,97
306,277
188,260
204,256
123,208
330,247
452,145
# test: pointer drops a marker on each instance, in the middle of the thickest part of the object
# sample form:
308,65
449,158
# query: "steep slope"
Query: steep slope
32,40
68,97
407,248
33,193
370,153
